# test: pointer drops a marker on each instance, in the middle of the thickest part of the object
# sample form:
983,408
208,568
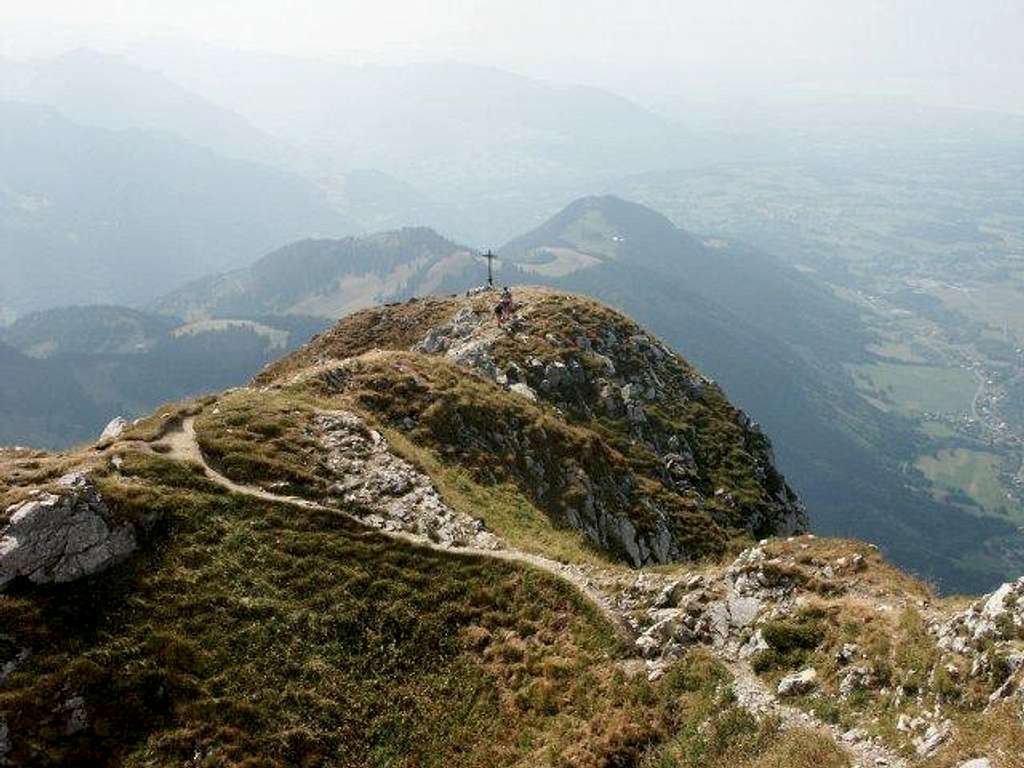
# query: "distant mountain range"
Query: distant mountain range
329,278
485,153
106,91
153,188
89,215
119,182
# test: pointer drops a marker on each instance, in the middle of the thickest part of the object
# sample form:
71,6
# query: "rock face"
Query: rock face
63,537
594,365
393,495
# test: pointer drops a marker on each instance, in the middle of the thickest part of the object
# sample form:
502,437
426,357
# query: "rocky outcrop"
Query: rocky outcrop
390,493
114,429
60,537
616,371
998,617
723,612
659,466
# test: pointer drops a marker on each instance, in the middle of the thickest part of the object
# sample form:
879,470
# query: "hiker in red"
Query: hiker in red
503,311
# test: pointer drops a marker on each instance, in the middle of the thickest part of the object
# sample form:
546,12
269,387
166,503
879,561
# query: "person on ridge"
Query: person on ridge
505,307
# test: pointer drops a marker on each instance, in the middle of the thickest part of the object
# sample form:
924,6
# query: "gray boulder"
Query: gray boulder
933,738
523,390
798,684
63,537
114,429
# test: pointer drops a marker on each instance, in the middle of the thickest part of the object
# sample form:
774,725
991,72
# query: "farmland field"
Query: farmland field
973,472
916,389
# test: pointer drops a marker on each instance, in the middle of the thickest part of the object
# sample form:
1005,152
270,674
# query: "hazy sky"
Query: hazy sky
961,40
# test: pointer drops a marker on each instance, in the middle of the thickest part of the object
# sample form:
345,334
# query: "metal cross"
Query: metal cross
490,273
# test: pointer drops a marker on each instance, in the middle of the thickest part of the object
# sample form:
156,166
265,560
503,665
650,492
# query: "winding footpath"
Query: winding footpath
751,692
184,447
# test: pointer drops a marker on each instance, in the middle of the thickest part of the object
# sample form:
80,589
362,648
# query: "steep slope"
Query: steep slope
430,592
39,403
95,216
776,340
763,290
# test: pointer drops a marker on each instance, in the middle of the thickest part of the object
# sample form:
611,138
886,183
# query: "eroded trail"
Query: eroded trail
751,692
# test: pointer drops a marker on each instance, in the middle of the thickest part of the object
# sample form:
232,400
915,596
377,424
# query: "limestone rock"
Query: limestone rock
393,494
523,390
980,762
799,683
855,679
60,538
114,429
997,617
755,645
743,611
933,738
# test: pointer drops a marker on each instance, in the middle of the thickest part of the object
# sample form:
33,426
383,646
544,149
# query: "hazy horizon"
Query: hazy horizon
934,53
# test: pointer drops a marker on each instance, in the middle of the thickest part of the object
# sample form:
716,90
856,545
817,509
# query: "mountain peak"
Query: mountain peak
665,438
605,226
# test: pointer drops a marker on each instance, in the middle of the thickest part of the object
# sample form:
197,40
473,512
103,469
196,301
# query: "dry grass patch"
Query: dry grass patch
997,734
251,633
394,326
262,438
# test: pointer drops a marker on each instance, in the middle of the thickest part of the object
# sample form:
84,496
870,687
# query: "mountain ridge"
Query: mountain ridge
413,516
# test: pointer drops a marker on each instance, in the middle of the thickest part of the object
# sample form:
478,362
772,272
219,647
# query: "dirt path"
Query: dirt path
750,691
184,447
